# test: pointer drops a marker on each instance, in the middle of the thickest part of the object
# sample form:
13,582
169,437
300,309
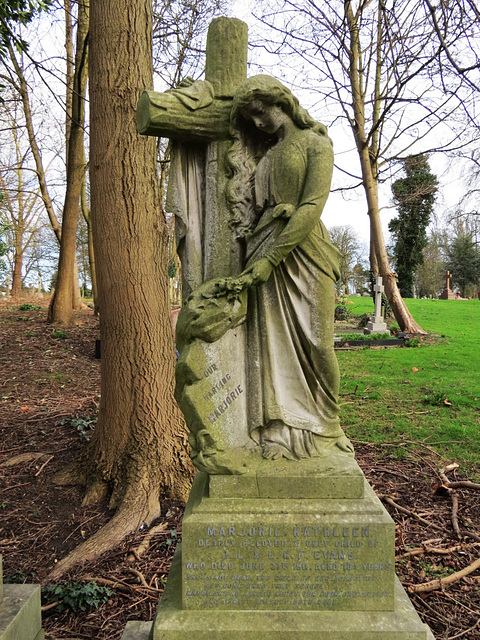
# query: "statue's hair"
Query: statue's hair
250,144
270,91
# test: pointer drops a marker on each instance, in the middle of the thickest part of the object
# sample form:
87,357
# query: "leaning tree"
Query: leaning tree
376,66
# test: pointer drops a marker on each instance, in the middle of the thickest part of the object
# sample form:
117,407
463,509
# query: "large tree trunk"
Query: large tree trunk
66,297
138,451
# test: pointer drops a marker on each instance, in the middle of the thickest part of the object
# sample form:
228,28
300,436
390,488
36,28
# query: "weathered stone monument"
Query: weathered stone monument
376,324
20,611
282,536
447,293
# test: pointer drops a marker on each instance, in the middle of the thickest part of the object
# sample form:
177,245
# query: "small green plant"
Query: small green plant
30,334
172,538
435,398
28,307
58,334
76,596
84,426
18,577
363,319
341,312
413,342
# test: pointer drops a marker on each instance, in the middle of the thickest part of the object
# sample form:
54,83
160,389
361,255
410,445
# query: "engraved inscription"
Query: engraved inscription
280,567
221,392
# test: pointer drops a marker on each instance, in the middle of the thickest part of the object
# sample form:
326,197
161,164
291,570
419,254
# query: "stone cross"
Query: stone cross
448,275
206,128
378,289
196,117
376,323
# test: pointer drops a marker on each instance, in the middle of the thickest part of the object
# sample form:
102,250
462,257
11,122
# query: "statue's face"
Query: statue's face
266,117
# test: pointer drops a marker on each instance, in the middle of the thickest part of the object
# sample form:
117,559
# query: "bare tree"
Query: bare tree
374,64
347,242
21,205
63,300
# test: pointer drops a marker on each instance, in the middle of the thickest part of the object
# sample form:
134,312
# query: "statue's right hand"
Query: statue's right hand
283,211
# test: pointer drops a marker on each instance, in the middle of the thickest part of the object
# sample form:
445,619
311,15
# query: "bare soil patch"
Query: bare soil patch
49,394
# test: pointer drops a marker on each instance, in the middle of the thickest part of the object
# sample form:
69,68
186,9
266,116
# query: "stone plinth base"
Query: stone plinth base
20,613
263,568
447,294
332,476
376,325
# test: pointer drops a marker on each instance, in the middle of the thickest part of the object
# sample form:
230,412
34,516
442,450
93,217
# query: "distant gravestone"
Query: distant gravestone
281,537
376,323
447,293
20,611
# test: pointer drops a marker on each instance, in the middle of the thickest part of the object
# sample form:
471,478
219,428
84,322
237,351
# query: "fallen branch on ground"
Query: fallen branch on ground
440,583
389,500
418,551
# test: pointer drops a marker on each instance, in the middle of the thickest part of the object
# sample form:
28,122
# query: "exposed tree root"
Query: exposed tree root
408,512
142,548
71,474
128,518
23,458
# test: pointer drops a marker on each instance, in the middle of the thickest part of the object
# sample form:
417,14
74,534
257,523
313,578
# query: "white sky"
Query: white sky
350,208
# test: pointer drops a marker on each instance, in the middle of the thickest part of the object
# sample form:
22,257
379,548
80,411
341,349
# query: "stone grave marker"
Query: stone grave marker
376,323
447,293
282,536
20,611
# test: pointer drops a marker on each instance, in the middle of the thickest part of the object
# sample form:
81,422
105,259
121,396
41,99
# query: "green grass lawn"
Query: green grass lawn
428,394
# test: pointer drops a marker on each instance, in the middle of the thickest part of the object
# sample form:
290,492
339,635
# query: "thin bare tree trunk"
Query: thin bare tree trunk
64,299
22,89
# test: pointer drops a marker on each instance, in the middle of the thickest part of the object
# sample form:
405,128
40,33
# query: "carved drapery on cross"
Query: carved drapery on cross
196,117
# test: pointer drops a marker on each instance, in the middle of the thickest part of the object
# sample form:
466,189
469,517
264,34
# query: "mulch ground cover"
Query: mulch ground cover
49,394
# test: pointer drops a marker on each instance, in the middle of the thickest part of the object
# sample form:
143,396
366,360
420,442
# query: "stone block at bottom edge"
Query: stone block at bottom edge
20,613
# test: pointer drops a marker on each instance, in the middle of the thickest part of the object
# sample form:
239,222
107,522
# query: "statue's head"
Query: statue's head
269,91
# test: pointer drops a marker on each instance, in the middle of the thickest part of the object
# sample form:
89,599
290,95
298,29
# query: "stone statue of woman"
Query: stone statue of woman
282,163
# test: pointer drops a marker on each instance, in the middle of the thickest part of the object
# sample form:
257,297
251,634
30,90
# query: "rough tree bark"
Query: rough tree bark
138,451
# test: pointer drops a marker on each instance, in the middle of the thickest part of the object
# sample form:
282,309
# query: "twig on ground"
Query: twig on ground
408,512
425,548
465,484
454,498
459,635
49,459
440,583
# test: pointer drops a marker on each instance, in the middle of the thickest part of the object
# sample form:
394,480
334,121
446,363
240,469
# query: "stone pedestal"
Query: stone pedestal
20,611
447,294
376,324
278,564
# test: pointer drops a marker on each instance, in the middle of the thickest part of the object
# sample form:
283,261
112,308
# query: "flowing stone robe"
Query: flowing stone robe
293,374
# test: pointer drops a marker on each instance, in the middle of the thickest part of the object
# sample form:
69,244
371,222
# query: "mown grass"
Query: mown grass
428,394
